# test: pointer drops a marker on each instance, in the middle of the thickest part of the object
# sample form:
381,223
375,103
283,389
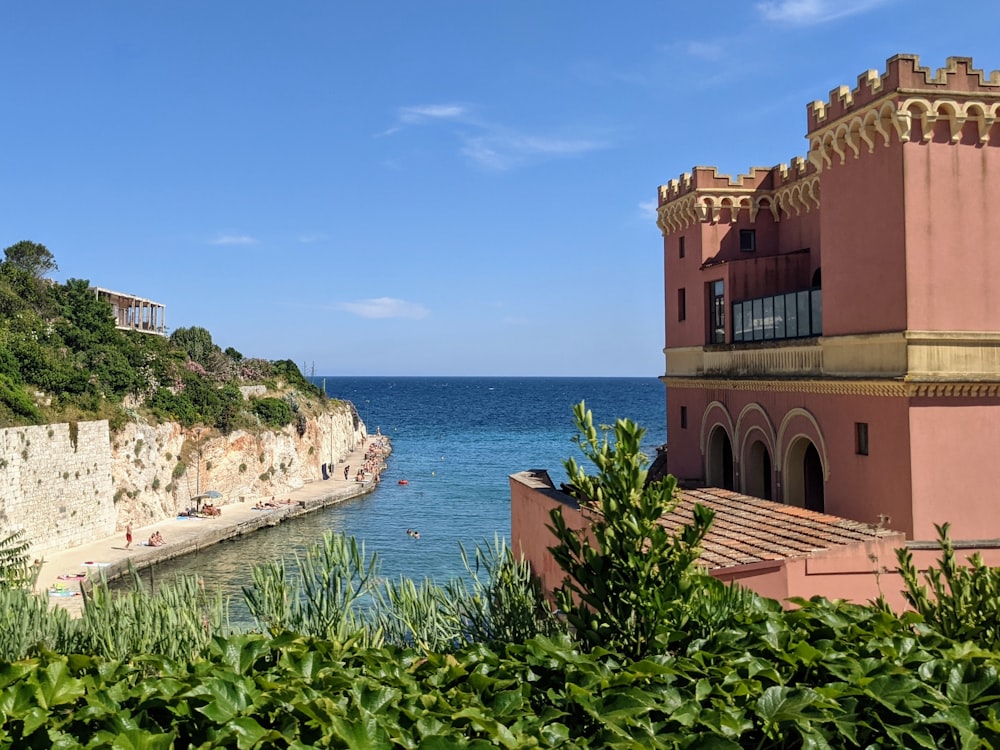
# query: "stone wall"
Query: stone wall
65,488
55,483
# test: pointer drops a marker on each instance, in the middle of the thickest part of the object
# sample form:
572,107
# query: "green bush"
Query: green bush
274,412
963,602
14,399
631,588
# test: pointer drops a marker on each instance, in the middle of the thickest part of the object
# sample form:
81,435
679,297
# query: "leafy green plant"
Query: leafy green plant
177,620
274,412
631,586
959,601
321,598
15,570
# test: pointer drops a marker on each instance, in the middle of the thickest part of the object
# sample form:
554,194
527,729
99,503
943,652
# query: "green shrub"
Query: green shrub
963,602
274,412
632,587
17,402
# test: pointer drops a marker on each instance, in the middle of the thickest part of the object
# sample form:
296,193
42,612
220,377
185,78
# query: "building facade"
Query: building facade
832,325
833,346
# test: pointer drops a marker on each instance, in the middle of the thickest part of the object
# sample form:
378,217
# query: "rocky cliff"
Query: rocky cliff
156,471
64,484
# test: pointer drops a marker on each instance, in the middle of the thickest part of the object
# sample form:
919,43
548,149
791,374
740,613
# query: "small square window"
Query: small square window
748,240
681,304
684,417
861,438
680,247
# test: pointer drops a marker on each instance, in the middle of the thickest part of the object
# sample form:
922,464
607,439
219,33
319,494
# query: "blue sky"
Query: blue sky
413,188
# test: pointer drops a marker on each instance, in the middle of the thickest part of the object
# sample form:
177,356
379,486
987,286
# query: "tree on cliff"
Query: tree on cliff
31,257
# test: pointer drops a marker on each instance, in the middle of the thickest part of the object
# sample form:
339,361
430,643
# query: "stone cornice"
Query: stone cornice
892,113
795,197
882,388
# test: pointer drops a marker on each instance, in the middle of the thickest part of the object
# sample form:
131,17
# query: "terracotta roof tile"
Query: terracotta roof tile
749,529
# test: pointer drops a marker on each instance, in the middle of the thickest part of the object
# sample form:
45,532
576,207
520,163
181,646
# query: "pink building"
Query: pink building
832,334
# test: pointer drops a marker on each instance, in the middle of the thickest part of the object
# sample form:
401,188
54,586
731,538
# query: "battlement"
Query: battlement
708,178
904,74
756,180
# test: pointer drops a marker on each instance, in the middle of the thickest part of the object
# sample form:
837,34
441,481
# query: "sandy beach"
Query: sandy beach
61,569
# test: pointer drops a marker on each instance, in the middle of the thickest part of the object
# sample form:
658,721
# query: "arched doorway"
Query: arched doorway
804,476
757,472
719,460
812,471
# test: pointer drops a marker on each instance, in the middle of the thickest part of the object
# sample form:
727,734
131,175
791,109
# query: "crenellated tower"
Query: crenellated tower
832,326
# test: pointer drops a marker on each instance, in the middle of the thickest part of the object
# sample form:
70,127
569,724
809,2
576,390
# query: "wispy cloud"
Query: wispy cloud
809,12
647,209
488,144
420,114
425,112
385,307
504,151
233,239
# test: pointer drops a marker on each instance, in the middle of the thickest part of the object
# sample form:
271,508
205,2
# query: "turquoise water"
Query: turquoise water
455,441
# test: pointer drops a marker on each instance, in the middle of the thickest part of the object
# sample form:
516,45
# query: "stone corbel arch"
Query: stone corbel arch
884,122
954,113
920,108
867,129
786,437
984,116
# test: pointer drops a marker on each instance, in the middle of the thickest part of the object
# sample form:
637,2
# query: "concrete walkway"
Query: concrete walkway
183,536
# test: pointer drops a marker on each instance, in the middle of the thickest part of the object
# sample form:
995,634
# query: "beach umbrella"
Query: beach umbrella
210,495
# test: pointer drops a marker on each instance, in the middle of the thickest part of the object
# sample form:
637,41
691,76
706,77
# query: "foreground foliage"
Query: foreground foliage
632,584
344,661
826,675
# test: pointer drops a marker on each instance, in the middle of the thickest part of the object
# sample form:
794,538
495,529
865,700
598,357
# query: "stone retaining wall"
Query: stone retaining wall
55,483
68,484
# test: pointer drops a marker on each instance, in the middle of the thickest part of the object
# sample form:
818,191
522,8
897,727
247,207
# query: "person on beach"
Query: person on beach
347,472
128,536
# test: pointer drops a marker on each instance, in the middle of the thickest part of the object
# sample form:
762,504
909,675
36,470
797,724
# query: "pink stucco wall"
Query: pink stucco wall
862,227
955,478
532,497
869,488
952,194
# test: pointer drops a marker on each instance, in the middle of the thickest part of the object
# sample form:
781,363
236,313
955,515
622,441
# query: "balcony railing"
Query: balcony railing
793,315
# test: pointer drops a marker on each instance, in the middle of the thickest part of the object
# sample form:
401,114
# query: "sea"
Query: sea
455,441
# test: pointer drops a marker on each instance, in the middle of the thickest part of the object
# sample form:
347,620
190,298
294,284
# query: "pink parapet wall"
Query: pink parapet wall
832,557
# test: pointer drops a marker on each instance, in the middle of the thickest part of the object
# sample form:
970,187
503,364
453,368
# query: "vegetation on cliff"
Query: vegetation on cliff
63,359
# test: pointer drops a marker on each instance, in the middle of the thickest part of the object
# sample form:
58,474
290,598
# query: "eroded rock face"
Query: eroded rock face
156,471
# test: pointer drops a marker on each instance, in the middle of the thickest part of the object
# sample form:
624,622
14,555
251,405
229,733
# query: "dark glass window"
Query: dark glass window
680,247
681,304
861,438
748,240
684,417
717,312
